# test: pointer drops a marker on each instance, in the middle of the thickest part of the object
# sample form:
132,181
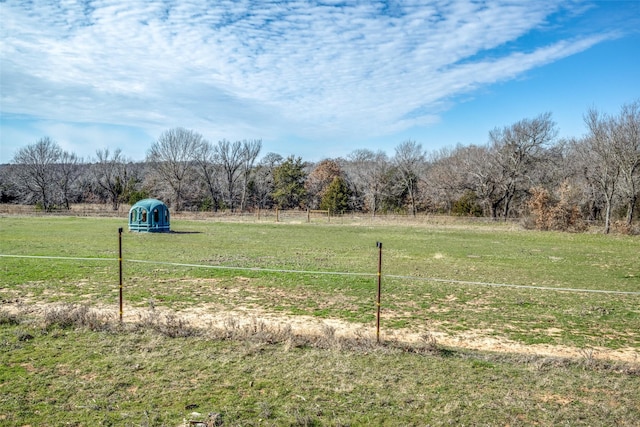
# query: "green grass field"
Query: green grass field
411,255
326,271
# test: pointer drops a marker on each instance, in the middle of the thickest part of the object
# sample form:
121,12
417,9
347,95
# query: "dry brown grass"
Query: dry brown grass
160,368
233,327
84,209
284,216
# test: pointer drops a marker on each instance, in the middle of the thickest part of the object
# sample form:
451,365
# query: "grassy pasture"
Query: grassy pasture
53,376
411,255
60,374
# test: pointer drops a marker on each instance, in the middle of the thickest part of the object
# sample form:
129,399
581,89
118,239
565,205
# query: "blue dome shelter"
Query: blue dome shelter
149,215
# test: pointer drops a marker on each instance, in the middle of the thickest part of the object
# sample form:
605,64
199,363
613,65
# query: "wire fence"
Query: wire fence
257,215
334,273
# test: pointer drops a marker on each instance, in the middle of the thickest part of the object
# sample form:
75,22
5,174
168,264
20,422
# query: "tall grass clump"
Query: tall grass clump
66,316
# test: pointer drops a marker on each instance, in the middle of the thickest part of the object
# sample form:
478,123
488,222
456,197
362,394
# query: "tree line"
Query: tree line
523,171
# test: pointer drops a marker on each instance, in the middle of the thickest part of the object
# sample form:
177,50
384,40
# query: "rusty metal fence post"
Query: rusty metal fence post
120,266
379,245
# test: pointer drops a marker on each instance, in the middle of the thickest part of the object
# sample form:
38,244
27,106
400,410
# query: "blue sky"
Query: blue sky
316,79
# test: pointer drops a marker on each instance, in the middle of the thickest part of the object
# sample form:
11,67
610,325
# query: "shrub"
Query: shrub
555,213
467,205
168,325
69,316
7,318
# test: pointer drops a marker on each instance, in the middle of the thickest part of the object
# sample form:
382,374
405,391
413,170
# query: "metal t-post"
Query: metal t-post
120,265
379,245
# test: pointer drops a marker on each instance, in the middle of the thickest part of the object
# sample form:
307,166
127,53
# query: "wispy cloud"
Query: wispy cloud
313,69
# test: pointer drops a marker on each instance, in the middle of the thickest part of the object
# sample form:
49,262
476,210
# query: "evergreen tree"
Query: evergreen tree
289,178
336,198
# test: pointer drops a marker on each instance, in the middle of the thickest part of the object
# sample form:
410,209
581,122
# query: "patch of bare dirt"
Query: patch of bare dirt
204,316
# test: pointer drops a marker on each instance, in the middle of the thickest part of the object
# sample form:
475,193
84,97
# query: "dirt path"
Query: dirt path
475,340
208,316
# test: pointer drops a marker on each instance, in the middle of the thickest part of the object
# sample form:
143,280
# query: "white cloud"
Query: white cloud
239,69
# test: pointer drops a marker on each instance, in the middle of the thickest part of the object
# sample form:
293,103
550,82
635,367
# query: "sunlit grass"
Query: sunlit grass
66,372
411,255
75,369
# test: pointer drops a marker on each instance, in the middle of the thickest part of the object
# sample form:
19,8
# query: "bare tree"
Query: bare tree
37,171
68,170
518,150
626,137
172,158
366,172
250,151
410,163
111,174
601,167
263,182
477,162
210,173
446,180
230,157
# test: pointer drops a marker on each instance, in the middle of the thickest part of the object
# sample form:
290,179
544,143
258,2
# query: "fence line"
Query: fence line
259,215
59,257
507,285
258,269
335,273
